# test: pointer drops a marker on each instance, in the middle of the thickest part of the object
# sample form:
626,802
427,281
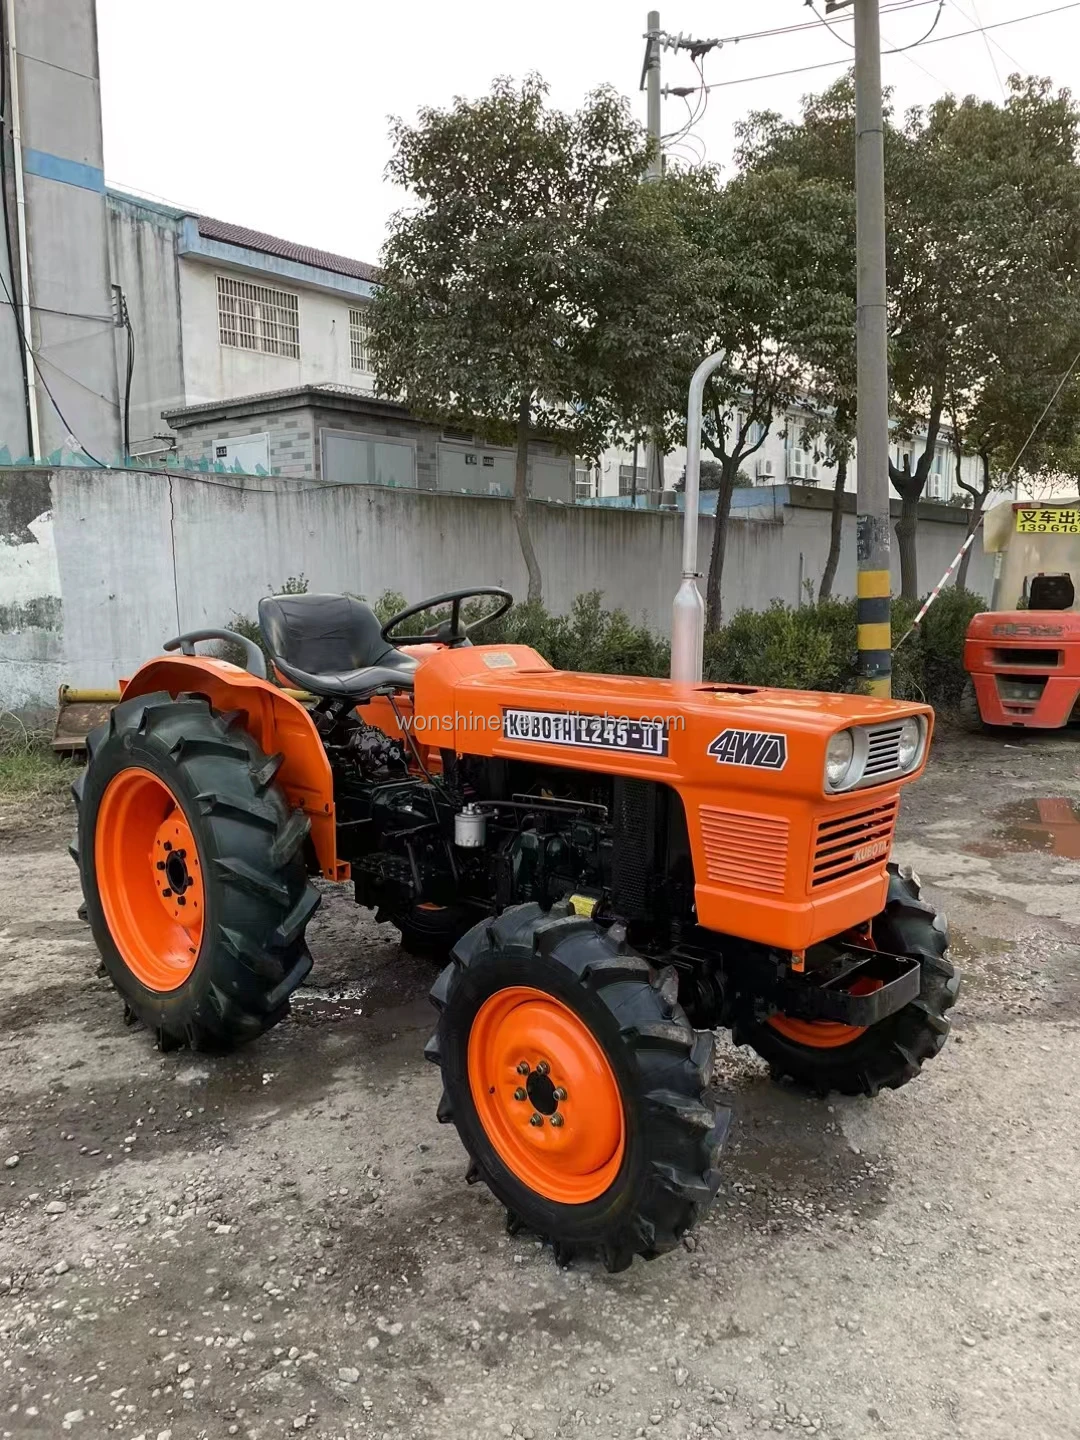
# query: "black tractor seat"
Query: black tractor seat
332,645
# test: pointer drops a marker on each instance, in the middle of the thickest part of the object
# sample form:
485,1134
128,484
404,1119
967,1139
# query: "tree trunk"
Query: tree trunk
906,529
836,530
521,499
729,473
978,505
909,485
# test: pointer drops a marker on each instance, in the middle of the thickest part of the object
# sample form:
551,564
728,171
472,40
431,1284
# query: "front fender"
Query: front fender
277,723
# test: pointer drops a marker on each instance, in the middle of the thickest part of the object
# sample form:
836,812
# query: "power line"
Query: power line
976,19
45,384
936,40
812,25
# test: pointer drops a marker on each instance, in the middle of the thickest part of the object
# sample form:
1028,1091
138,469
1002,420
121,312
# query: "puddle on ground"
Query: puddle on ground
1051,824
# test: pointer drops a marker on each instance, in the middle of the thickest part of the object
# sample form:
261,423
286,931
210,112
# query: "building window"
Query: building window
584,482
801,460
254,317
359,335
937,487
626,480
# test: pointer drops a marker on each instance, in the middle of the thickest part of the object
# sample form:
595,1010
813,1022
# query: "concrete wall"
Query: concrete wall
140,555
221,372
31,614
65,203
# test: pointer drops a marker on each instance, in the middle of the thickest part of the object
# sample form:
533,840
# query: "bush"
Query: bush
810,647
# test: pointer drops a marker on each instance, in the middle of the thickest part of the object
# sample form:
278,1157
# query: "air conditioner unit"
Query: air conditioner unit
766,469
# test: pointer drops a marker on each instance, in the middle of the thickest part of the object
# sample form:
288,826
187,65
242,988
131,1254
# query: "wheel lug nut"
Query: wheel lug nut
167,894
560,1093
543,1067
557,1120
519,1094
536,1119
161,864
523,1068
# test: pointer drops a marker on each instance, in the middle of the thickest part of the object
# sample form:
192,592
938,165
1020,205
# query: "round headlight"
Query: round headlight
910,740
838,758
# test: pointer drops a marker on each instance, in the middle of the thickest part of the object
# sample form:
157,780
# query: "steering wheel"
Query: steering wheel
449,632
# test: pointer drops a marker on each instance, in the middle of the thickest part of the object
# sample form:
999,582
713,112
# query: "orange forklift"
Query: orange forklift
1023,654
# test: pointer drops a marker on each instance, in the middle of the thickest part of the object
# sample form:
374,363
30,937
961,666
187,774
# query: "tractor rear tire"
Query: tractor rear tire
577,1085
969,713
193,872
883,1056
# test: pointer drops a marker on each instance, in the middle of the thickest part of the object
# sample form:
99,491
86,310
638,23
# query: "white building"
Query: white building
787,456
218,312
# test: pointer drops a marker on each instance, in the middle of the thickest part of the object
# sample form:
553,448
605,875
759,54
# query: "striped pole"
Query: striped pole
936,591
875,630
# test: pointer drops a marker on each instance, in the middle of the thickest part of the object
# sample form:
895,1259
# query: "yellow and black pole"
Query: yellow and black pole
872,508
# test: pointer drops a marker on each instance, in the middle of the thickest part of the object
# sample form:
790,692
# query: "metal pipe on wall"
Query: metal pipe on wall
20,228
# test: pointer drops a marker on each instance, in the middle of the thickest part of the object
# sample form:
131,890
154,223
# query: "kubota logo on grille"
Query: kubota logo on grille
871,851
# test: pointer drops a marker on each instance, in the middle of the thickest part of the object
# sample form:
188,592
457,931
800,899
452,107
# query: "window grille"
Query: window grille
254,317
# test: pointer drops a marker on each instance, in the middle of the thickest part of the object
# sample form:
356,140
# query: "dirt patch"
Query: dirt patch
282,1241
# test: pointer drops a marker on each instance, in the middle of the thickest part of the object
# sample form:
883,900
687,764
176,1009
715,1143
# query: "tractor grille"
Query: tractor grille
745,849
846,844
883,752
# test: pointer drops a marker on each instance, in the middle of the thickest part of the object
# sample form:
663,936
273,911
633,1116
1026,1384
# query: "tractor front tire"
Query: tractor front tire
822,1056
577,1085
192,870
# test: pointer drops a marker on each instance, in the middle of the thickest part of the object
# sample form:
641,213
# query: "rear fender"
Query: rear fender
276,722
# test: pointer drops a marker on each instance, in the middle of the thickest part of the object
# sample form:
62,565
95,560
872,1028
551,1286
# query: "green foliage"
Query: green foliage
490,280
804,648
814,647
590,638
983,210
807,647
770,260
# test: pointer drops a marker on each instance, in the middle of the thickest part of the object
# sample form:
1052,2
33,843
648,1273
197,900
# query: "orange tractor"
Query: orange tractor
615,868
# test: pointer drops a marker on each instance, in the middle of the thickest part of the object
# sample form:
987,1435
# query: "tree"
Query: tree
766,141
766,249
491,308
983,213
711,474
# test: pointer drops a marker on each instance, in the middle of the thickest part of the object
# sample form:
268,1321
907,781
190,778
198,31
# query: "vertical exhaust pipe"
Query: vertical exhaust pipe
688,611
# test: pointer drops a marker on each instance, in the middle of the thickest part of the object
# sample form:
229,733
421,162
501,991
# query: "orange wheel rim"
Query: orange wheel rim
824,1034
150,879
546,1095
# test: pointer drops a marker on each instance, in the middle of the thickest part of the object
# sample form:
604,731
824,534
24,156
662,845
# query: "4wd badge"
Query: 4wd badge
756,748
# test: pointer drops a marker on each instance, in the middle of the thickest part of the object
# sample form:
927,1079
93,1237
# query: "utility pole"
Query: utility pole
655,41
651,79
654,463
872,510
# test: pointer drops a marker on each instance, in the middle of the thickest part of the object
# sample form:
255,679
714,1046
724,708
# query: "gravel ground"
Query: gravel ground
282,1241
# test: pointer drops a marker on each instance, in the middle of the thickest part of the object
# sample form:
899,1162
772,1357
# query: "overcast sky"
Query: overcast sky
273,113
